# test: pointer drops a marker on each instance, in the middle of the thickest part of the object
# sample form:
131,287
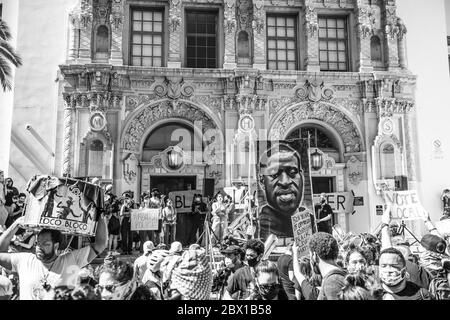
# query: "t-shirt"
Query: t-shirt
411,292
418,274
322,212
33,272
240,284
9,194
285,265
332,284
140,266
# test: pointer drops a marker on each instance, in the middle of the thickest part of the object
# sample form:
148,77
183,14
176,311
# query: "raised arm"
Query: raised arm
6,237
101,239
430,225
385,231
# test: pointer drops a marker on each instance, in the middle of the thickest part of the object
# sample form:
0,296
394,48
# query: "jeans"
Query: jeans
169,232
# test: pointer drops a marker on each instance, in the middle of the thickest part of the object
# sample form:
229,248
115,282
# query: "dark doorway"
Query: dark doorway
166,184
322,184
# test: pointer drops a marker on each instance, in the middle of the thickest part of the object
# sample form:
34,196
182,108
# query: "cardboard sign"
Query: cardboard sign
144,219
339,202
182,200
70,207
237,195
405,205
301,224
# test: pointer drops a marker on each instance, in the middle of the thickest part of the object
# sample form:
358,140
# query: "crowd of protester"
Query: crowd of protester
336,266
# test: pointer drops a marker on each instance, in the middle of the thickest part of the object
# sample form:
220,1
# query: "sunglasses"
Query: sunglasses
110,288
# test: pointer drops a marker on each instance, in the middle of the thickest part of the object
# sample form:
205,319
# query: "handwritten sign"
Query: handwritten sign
237,195
405,205
144,219
182,200
301,225
339,202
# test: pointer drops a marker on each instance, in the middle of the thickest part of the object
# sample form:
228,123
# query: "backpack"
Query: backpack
440,289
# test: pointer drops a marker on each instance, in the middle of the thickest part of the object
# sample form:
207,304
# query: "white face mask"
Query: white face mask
392,278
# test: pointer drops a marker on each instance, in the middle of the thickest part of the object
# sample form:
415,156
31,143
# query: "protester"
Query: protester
6,288
196,220
267,283
286,271
169,221
231,263
306,282
355,289
125,225
393,278
153,277
219,219
24,242
10,192
323,254
241,285
116,282
112,213
324,215
230,208
48,267
140,264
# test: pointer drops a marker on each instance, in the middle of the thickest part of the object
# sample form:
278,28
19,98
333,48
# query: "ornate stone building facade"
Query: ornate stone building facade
336,68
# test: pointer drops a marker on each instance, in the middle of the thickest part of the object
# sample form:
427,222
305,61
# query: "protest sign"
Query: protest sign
182,200
285,162
144,219
301,224
237,195
339,202
405,205
64,204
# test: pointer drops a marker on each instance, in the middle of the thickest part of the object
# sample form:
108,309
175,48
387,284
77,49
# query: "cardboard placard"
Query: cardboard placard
70,207
405,205
339,202
182,200
144,219
301,223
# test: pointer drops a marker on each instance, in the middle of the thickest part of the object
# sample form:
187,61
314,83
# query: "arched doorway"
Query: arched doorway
178,175
326,142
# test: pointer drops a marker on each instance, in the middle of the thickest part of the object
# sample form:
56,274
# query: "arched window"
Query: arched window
171,134
319,137
102,39
375,49
388,162
243,48
95,159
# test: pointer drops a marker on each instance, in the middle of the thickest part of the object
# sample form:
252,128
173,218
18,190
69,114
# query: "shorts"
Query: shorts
114,231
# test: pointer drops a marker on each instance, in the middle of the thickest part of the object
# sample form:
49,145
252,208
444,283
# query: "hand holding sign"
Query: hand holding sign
387,215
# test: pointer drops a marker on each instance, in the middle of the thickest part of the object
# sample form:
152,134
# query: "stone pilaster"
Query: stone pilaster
74,35
391,29
365,18
116,21
312,37
229,23
70,102
174,24
86,19
402,44
410,147
259,35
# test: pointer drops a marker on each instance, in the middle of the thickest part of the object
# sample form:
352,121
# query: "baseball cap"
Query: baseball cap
148,246
6,287
176,247
231,249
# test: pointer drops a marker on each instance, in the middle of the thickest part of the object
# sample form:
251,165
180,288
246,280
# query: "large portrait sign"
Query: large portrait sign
284,188
68,205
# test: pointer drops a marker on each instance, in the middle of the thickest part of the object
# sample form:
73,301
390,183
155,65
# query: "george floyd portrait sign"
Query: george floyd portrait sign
284,188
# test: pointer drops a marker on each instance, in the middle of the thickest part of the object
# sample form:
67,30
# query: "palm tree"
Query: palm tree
7,56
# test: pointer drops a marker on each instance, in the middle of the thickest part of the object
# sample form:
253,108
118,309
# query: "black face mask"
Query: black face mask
252,262
269,291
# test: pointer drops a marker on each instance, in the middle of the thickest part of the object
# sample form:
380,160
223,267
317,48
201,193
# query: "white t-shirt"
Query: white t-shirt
140,266
33,272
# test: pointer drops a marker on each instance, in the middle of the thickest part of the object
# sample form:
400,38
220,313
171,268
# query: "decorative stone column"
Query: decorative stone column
116,21
410,146
229,23
70,102
174,23
86,18
74,34
259,35
402,44
312,37
365,18
391,29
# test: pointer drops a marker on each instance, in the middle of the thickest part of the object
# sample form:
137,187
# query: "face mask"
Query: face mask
269,291
392,278
252,262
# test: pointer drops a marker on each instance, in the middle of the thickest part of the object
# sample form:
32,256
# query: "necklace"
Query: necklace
44,282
